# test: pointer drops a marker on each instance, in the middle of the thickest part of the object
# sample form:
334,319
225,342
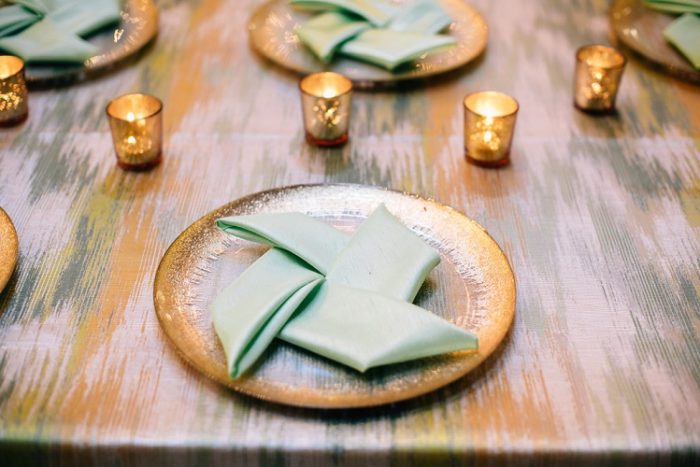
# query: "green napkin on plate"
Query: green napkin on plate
425,16
324,33
684,34
674,6
375,12
14,18
346,298
390,49
51,30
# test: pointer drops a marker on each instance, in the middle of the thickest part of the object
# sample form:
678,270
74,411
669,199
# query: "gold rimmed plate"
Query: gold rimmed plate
9,248
641,29
137,28
473,287
272,34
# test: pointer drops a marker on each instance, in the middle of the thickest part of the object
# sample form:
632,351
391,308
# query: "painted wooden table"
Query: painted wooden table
600,218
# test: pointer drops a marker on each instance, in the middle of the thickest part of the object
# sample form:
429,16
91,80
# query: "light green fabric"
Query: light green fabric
260,310
14,18
363,329
325,32
674,6
358,315
684,34
313,241
390,49
367,9
54,33
425,16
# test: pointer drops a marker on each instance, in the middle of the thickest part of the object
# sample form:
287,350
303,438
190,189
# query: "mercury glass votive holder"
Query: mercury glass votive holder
598,73
13,91
326,101
136,121
489,124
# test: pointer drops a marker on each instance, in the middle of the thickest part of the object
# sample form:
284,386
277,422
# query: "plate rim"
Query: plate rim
330,403
101,65
8,249
687,75
370,83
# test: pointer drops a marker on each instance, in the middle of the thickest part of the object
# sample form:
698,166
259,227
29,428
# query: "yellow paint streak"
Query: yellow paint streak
190,86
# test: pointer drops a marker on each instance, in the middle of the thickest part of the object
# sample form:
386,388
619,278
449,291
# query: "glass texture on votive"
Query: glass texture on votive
598,73
136,121
13,91
489,123
326,101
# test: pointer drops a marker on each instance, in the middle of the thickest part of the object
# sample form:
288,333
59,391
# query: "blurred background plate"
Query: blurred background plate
642,29
272,34
473,287
9,248
138,27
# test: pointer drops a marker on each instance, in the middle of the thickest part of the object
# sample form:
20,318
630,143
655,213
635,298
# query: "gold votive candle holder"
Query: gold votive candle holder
326,101
489,124
13,91
136,121
598,73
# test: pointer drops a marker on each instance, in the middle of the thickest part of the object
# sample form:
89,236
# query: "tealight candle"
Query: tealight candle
489,123
326,102
13,91
598,73
136,121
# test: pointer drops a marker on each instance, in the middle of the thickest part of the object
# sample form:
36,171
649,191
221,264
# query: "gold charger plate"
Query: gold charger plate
272,34
473,287
137,28
642,30
9,248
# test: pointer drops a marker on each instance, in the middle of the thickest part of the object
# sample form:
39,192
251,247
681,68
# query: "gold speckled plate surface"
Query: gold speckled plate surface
272,33
9,248
473,287
137,28
642,29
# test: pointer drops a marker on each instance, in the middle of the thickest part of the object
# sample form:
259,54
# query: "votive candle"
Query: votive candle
13,91
598,73
489,124
326,100
136,122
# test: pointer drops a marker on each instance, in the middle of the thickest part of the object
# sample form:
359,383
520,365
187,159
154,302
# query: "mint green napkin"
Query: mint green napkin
373,11
390,49
684,34
51,30
425,16
14,18
674,6
324,33
357,315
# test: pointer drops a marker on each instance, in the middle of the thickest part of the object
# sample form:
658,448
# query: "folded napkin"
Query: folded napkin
684,34
674,6
51,30
425,16
376,12
390,49
342,297
324,33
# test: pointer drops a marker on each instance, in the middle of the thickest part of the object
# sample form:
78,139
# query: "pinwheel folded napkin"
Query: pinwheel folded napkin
347,298
684,32
375,32
52,30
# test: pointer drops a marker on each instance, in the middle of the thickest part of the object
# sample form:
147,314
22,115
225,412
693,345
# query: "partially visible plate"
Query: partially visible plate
137,28
642,29
272,33
9,248
473,287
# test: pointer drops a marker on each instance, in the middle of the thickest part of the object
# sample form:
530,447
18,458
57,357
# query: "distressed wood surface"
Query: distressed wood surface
600,218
